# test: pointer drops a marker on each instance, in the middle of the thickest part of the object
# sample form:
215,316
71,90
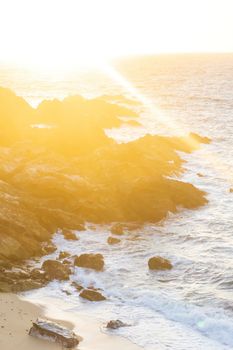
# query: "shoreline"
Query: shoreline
16,319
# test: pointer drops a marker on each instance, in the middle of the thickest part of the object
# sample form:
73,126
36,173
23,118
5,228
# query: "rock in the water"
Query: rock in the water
90,261
77,286
231,190
80,227
117,229
113,240
56,270
54,332
114,324
158,263
70,235
92,295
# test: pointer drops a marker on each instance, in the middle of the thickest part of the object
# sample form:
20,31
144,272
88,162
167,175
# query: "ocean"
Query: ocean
190,306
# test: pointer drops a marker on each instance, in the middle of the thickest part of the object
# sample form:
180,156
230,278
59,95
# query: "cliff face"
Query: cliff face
70,171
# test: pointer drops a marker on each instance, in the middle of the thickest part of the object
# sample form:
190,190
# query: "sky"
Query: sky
61,32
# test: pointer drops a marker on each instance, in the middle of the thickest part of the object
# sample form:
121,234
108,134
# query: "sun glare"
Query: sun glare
77,32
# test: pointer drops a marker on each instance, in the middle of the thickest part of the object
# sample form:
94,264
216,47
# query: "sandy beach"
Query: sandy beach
16,319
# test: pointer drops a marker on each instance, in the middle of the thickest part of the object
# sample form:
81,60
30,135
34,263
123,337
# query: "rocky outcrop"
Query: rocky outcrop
62,176
56,270
90,261
91,295
158,263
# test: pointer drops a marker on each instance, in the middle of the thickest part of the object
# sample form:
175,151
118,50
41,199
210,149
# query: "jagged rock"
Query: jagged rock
38,274
56,270
55,332
113,240
90,261
63,255
23,286
117,229
77,286
91,295
158,263
48,249
115,324
47,183
70,235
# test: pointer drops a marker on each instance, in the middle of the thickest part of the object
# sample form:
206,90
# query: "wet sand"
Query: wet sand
16,318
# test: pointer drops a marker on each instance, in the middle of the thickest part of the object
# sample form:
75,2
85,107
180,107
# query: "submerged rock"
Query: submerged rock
91,295
158,263
115,324
54,332
56,270
113,240
77,286
117,229
63,255
90,261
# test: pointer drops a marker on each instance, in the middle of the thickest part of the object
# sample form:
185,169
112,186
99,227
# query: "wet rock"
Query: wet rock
90,261
80,227
231,190
49,248
23,286
63,255
54,332
67,292
92,295
113,240
56,270
200,175
69,235
158,263
66,262
77,286
115,324
38,274
117,229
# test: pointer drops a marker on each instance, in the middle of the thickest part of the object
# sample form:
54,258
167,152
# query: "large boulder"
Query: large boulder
92,295
54,332
90,261
56,270
158,263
